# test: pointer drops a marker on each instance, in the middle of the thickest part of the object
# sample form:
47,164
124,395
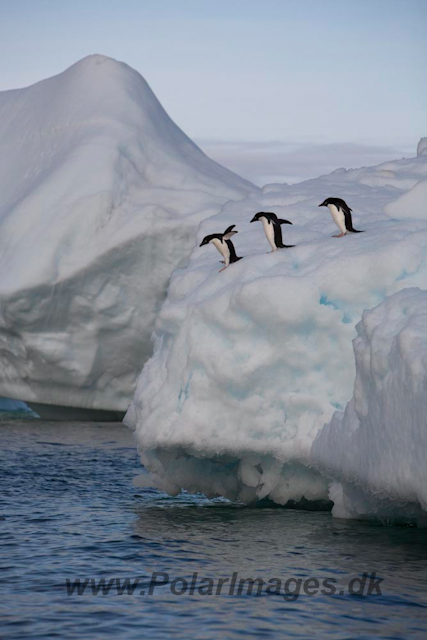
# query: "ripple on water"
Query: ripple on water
68,509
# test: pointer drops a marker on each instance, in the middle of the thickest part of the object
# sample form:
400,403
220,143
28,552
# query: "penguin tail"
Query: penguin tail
357,231
281,221
235,259
287,246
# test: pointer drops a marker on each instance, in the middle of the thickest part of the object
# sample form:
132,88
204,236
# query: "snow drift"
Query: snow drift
250,364
101,194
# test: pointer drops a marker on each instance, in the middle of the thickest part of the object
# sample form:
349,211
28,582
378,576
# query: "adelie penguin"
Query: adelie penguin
272,230
224,245
341,215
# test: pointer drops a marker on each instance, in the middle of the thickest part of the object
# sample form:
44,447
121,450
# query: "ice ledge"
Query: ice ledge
369,461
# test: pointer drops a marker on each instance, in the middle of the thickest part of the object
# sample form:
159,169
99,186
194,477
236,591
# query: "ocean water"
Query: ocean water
69,511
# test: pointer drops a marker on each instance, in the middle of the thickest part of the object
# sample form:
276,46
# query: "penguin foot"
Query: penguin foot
222,269
340,236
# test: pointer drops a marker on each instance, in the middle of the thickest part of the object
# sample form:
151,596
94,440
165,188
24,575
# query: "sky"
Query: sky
260,85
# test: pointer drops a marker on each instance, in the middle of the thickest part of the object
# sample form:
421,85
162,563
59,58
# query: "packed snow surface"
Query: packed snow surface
101,194
250,364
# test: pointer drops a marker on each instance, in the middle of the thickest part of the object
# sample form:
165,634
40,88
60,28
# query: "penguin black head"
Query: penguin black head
338,202
260,214
228,233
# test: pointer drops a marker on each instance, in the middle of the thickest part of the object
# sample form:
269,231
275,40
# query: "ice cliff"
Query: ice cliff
100,197
376,449
247,392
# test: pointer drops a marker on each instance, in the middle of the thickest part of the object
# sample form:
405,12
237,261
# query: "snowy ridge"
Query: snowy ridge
101,194
250,364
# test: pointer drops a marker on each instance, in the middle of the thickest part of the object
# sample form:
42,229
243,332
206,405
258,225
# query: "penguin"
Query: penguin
224,245
341,215
272,230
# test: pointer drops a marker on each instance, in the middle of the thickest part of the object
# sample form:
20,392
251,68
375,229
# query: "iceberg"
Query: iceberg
15,409
247,392
101,197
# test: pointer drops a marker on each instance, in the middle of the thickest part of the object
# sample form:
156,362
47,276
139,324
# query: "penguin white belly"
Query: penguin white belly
337,217
269,232
223,249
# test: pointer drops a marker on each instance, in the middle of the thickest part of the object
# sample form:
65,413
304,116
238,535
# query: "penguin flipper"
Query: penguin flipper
228,230
348,221
233,256
278,241
281,221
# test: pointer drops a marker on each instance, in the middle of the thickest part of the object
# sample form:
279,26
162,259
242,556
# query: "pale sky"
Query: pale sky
289,72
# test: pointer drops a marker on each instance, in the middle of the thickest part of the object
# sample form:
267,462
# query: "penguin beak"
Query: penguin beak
254,219
322,205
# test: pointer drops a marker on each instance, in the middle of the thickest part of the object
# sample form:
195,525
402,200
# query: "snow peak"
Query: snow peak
290,589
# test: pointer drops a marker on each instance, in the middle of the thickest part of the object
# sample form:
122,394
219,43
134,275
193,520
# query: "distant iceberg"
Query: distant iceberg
101,195
250,364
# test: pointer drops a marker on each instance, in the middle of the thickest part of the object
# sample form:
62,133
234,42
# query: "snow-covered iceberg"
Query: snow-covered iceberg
251,363
101,194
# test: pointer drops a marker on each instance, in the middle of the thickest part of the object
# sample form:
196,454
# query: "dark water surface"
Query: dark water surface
68,509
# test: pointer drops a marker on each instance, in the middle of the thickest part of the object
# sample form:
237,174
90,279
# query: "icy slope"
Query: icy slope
377,447
250,363
101,194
